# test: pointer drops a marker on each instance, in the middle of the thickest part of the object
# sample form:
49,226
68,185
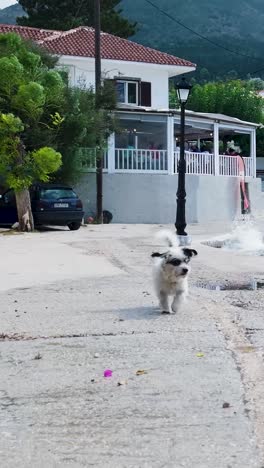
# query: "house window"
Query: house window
127,92
121,91
134,91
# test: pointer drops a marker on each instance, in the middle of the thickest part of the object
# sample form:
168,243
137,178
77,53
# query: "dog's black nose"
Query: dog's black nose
184,271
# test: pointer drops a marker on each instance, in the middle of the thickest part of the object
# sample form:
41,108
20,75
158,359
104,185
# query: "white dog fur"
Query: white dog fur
171,270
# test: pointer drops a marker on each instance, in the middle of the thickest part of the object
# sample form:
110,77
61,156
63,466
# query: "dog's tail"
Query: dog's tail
169,238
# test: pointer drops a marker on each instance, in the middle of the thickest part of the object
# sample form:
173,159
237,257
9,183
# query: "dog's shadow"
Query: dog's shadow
139,313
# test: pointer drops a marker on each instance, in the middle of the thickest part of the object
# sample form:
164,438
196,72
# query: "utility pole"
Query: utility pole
99,155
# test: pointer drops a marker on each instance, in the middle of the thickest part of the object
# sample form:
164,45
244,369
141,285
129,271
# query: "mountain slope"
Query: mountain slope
234,24
8,15
235,18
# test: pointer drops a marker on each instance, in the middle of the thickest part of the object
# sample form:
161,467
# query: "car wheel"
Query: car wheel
74,226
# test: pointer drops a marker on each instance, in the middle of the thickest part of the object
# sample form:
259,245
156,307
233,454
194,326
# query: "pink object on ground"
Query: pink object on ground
108,373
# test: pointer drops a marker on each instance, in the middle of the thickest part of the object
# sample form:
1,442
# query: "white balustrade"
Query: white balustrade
249,167
140,160
196,163
228,165
156,161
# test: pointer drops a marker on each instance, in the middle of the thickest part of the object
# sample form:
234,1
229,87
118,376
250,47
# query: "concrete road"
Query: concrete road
74,304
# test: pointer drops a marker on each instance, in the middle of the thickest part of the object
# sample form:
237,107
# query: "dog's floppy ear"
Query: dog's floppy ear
157,254
190,253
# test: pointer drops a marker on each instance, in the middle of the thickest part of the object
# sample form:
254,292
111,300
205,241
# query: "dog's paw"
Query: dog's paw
165,312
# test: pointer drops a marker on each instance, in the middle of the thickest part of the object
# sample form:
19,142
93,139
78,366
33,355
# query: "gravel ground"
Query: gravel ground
75,304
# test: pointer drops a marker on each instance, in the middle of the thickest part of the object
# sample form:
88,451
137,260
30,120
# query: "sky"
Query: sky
6,3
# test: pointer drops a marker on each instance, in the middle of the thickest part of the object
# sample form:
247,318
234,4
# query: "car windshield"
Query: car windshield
57,194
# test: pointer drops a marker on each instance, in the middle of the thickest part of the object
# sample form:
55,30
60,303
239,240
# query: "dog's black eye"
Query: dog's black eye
175,262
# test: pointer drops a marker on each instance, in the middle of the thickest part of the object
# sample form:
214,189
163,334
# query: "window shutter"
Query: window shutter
145,94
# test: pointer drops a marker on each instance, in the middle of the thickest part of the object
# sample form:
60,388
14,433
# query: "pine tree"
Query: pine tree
67,14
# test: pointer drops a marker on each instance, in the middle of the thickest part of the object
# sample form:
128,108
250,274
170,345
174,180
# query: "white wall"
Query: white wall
82,70
149,198
260,163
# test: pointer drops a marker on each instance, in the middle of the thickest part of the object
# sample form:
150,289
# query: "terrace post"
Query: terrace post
216,148
253,148
170,144
111,153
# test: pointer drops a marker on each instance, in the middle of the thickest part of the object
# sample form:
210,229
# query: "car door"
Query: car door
8,210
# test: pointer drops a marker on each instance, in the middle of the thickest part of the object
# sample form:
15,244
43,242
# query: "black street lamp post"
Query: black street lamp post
183,90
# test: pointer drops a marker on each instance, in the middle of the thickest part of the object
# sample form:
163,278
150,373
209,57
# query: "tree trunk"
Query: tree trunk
24,212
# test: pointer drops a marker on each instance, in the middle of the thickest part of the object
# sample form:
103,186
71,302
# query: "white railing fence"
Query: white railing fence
196,163
140,160
156,161
228,166
249,167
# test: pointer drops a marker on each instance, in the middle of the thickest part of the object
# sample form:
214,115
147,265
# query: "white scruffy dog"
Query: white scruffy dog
171,271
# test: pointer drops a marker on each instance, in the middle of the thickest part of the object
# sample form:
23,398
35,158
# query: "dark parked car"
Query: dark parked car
56,205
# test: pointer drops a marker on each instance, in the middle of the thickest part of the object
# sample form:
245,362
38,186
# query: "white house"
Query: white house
140,164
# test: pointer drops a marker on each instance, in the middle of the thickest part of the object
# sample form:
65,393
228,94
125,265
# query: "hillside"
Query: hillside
234,24
8,15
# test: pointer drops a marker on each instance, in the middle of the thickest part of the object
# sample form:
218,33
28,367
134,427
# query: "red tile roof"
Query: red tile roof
34,34
79,42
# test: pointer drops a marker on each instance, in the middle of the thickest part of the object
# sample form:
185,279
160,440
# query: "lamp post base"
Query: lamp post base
184,240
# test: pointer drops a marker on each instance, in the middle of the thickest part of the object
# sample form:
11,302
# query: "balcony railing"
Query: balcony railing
157,162
141,160
197,163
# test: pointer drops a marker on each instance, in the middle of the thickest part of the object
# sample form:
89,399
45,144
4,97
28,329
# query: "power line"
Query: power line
198,34
256,71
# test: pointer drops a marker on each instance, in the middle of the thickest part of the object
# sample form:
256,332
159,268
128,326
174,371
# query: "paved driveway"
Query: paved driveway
76,303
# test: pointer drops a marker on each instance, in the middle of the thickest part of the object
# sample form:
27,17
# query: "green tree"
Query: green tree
233,98
173,99
30,97
204,75
68,14
20,168
257,84
82,128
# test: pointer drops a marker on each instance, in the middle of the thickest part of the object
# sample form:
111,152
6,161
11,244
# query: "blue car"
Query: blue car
56,205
